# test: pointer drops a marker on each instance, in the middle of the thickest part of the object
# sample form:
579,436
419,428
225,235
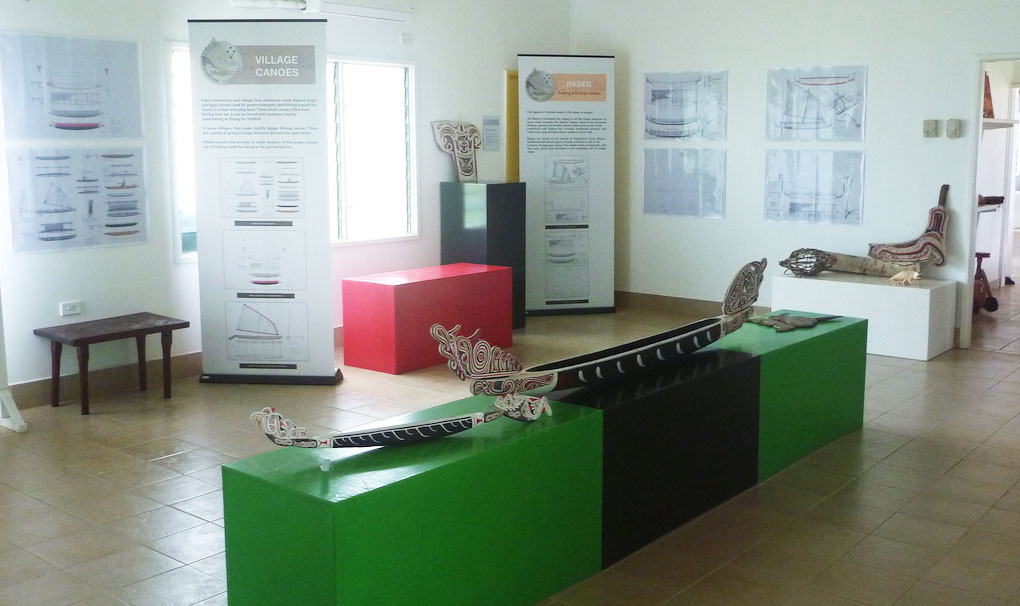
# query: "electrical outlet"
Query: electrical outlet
70,308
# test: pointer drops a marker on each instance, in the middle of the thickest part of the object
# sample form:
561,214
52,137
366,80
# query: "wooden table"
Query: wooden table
83,334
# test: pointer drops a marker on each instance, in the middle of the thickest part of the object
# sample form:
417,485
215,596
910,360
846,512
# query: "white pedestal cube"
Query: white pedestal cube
913,321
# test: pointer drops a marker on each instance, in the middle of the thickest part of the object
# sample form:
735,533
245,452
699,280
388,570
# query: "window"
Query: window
182,156
372,139
371,150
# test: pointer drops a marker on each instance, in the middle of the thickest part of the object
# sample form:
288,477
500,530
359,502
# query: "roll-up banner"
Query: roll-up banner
259,100
566,157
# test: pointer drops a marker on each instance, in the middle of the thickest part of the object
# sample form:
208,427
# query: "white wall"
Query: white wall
460,48
923,61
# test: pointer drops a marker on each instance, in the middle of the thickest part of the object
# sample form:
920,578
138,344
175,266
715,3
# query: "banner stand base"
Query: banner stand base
274,379
567,311
10,416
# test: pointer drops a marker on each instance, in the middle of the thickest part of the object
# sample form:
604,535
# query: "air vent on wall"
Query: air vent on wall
398,14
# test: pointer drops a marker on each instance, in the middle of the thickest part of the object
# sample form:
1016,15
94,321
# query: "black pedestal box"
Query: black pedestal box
484,223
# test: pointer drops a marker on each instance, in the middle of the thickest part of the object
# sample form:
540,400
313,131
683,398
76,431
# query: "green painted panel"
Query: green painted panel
507,526
505,513
812,386
269,532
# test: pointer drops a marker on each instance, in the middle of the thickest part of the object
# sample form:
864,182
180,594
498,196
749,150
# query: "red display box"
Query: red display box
387,316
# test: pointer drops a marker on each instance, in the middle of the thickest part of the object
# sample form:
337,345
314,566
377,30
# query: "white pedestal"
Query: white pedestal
914,321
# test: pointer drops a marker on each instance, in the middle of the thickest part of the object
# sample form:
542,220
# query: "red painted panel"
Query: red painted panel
387,316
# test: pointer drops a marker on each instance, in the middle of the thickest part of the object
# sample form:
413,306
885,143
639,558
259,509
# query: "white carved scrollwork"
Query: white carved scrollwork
460,139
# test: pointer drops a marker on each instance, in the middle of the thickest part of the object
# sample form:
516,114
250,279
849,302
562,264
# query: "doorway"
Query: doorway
996,222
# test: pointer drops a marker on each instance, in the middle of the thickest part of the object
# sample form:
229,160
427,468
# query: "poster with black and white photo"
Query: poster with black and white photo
260,168
566,158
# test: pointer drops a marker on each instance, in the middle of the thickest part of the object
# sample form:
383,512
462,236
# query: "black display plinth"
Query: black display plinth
676,442
484,223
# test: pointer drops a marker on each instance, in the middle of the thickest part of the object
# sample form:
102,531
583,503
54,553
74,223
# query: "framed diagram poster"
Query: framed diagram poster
817,103
566,121
814,186
260,170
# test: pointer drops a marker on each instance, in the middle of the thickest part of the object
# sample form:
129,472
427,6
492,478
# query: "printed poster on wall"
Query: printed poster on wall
65,198
260,167
70,88
566,158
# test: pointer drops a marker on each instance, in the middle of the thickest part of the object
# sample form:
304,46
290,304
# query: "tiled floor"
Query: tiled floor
922,506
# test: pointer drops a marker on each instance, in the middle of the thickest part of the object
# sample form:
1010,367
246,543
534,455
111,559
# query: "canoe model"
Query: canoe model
493,371
519,392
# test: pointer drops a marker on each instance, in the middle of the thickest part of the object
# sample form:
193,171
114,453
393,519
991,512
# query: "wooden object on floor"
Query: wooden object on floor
83,334
983,298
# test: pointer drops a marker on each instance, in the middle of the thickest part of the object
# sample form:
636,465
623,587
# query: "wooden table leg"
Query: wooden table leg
140,342
83,377
165,339
55,348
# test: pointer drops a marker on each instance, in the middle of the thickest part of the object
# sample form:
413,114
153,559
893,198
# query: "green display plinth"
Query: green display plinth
506,513
812,386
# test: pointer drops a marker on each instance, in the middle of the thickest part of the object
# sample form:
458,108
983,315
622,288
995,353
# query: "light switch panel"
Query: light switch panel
954,128
930,128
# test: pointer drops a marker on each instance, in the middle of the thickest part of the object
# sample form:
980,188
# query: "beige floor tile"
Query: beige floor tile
124,567
180,488
194,460
179,587
855,516
209,506
191,545
987,473
154,524
212,475
920,531
862,583
664,564
214,566
158,448
108,507
813,538
1010,501
970,491
612,588
730,585
977,575
138,475
811,596
894,556
783,566
776,497
80,547
994,547
219,600
24,530
874,494
58,588
926,593
900,477
806,479
1000,521
934,506
18,566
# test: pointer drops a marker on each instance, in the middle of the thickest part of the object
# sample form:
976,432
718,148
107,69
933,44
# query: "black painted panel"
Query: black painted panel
676,442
